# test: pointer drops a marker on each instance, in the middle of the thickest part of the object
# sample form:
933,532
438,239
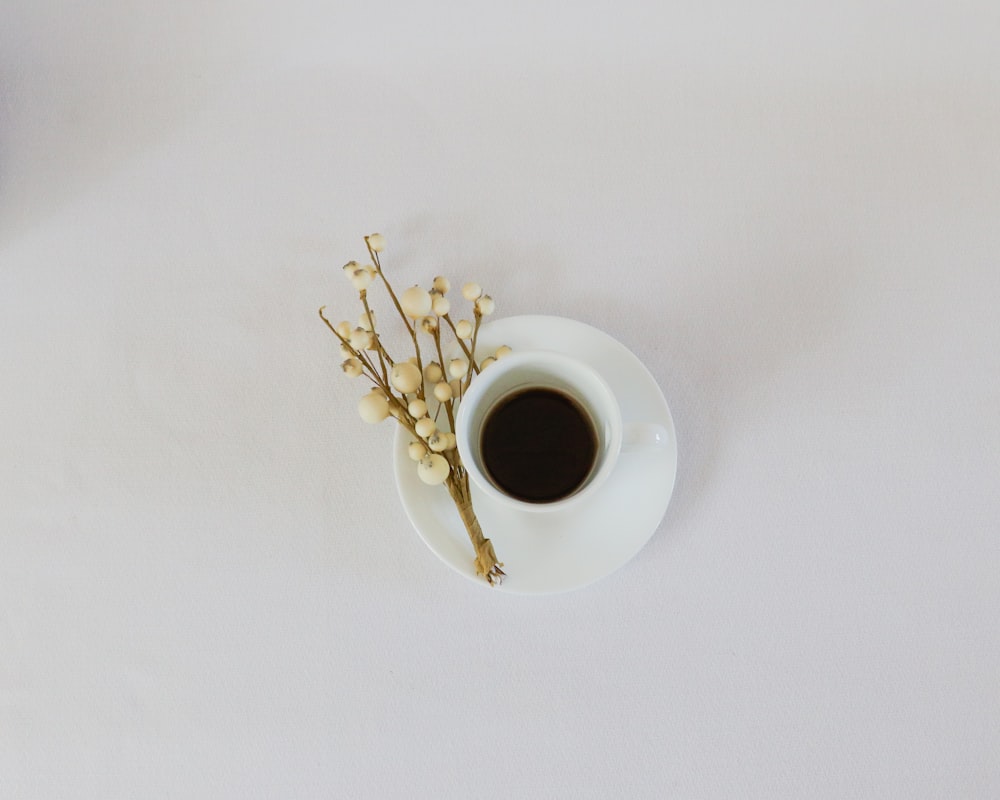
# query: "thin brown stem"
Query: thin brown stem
378,344
385,353
358,354
367,365
465,349
487,564
404,417
448,404
367,361
457,482
420,365
388,286
473,367
410,327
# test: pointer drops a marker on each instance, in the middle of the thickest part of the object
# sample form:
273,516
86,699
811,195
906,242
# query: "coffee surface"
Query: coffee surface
538,445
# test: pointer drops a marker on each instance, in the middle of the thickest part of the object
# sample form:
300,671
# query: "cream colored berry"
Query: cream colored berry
417,409
367,321
438,442
361,339
489,361
471,291
442,392
425,428
441,305
352,367
416,451
442,284
433,372
429,325
457,367
485,305
415,302
463,329
361,279
433,469
405,377
376,241
343,329
503,351
373,407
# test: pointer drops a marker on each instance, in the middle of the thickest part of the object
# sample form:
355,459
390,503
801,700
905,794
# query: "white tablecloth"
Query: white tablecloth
789,212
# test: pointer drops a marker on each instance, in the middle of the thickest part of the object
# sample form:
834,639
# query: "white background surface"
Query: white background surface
789,211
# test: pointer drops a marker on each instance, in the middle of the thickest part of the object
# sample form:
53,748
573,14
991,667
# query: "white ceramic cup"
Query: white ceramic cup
520,371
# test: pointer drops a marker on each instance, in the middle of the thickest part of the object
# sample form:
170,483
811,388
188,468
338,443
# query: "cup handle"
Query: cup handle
643,436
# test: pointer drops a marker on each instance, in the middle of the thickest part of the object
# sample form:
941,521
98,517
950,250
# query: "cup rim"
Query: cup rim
482,383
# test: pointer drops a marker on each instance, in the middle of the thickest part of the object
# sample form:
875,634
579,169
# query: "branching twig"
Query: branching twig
397,385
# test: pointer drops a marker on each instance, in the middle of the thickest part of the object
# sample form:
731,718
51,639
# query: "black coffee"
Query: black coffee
538,445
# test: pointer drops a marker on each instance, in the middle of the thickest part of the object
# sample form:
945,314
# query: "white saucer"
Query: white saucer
561,550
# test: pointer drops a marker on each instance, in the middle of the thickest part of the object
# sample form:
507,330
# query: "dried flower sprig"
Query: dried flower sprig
415,393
